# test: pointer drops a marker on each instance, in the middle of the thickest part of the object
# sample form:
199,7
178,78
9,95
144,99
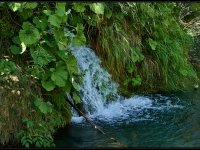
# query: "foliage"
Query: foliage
141,44
41,42
144,47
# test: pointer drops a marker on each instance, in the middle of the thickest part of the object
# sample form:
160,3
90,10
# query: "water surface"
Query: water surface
157,120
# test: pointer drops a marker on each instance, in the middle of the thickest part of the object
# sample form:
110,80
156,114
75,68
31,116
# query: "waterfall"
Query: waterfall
97,88
101,99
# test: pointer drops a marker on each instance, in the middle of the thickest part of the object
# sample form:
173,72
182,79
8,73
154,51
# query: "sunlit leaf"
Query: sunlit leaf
60,9
98,8
14,6
55,20
23,47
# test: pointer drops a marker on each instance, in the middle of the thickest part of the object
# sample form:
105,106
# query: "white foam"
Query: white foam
98,90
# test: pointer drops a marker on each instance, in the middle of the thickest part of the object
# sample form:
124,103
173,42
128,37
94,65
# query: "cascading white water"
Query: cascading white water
97,88
100,97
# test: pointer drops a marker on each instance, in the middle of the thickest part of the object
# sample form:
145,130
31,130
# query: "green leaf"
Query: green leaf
72,65
14,6
59,76
61,39
97,8
48,85
80,38
153,44
79,7
63,55
29,35
41,56
136,81
43,106
55,20
130,69
37,102
40,23
47,12
75,85
76,98
68,86
15,49
30,5
60,9
7,66
16,40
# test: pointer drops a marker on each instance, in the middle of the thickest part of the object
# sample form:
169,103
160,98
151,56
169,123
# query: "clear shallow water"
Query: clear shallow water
170,120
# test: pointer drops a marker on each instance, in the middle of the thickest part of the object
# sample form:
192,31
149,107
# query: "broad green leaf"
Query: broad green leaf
76,98
29,35
55,20
15,49
59,76
48,85
153,44
79,7
97,8
14,6
60,9
40,23
41,56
